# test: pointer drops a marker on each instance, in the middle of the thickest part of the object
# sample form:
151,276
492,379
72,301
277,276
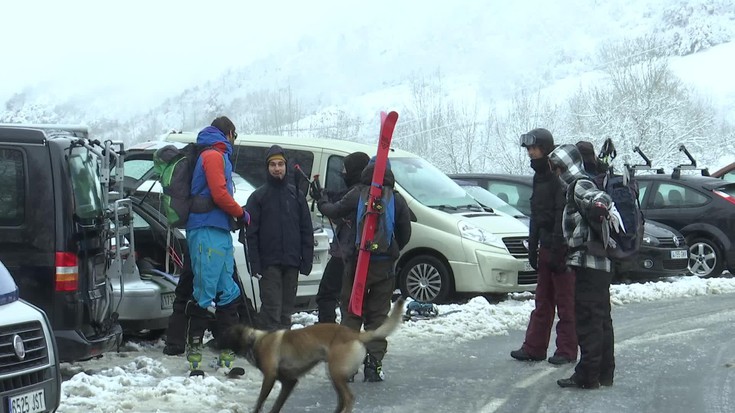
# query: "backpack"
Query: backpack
383,237
624,193
175,168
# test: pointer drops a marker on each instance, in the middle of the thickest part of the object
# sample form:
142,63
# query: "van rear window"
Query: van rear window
12,187
86,184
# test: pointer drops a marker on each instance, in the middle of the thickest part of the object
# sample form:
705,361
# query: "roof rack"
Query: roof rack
692,166
644,167
80,131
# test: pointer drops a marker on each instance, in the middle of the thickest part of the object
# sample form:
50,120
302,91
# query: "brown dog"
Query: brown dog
286,355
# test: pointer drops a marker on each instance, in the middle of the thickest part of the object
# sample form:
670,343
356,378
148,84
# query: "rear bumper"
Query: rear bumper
74,346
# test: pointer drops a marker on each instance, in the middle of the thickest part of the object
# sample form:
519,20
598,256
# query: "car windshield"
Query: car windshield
486,198
8,289
85,184
430,186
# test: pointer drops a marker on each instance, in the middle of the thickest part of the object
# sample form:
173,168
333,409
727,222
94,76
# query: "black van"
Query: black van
53,232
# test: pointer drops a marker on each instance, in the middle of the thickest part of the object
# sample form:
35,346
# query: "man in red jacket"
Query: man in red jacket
210,242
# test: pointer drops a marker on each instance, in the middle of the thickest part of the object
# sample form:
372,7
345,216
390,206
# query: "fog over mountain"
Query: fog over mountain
466,76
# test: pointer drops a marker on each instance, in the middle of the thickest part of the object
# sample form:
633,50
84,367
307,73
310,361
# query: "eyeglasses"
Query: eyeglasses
234,135
528,139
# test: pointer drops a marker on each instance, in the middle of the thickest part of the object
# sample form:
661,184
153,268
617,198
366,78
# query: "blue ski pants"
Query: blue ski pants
212,262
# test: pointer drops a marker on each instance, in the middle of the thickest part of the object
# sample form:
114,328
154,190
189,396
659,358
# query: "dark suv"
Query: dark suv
53,233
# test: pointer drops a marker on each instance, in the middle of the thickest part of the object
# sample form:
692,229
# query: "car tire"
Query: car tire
425,278
705,257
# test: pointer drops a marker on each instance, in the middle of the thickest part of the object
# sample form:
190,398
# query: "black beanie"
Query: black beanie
354,164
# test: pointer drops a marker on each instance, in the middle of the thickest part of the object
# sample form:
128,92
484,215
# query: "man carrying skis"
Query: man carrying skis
380,281
587,206
210,242
343,242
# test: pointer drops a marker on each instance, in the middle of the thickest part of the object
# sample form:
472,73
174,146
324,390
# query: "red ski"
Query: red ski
387,124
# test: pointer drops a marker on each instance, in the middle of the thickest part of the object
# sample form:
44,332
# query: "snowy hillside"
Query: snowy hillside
331,77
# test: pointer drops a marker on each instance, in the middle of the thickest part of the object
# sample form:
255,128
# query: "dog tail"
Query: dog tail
389,326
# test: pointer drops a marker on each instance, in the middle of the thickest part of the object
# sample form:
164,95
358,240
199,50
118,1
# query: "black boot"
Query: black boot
373,369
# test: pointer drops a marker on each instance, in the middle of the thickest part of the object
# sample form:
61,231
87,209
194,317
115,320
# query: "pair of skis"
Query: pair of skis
387,125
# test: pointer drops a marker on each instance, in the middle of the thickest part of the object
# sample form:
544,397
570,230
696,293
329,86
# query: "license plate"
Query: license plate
31,402
527,266
167,301
679,255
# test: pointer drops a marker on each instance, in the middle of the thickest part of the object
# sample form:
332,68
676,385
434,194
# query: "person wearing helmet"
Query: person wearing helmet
547,254
586,205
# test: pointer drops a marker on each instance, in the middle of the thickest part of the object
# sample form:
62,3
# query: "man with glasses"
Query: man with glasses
210,242
547,254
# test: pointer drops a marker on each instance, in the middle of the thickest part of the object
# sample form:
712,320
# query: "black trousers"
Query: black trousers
278,289
376,301
594,326
330,287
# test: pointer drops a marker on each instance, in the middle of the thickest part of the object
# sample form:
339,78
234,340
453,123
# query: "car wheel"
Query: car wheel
425,278
705,258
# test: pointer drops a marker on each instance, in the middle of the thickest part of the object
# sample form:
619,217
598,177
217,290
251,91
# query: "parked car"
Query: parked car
30,378
702,208
53,233
663,251
489,200
455,247
142,187
727,173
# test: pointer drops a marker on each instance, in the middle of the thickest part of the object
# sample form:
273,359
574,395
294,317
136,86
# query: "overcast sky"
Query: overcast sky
98,44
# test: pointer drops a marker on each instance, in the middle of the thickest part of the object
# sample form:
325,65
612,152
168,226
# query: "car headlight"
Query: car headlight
474,233
649,240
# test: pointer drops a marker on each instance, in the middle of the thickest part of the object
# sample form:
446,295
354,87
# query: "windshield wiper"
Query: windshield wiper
469,206
443,207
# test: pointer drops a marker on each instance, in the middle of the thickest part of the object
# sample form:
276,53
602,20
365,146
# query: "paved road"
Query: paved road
672,356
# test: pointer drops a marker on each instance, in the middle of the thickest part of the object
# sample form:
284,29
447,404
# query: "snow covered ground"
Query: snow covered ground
140,378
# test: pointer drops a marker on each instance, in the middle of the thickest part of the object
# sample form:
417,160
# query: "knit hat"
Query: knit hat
275,152
538,137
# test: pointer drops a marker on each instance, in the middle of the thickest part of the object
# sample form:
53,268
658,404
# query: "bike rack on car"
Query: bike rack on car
691,166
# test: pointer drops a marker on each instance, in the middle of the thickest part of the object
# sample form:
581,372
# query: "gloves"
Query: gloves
533,258
315,192
244,220
558,259
598,212
305,269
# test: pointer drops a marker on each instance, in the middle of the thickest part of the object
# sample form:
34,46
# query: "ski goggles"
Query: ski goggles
528,139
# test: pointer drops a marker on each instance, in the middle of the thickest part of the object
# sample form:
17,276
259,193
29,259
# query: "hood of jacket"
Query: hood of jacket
211,136
354,164
568,157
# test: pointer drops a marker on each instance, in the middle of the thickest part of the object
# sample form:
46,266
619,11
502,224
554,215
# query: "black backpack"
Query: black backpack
624,193
175,169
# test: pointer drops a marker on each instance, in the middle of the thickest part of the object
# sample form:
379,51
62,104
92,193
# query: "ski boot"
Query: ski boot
226,358
373,371
194,355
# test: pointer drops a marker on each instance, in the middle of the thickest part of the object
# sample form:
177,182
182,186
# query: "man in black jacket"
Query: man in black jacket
547,254
280,241
330,285
380,277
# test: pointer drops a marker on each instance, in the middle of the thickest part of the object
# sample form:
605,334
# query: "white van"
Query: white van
456,246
